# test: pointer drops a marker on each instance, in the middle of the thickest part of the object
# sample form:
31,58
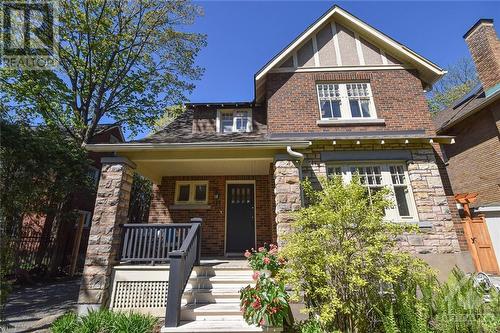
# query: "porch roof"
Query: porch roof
157,160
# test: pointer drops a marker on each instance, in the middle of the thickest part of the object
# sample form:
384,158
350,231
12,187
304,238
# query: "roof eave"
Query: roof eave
123,147
492,98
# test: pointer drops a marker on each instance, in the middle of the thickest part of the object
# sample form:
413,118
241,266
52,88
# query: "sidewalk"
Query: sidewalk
33,308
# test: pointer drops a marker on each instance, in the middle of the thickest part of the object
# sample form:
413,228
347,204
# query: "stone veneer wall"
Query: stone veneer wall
111,210
287,195
430,198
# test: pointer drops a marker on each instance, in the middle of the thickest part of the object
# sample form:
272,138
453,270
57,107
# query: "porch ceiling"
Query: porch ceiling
158,164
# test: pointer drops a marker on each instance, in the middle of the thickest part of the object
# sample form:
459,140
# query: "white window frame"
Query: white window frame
392,213
192,192
345,108
233,112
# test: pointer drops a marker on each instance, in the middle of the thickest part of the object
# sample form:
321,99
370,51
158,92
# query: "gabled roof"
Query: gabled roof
428,71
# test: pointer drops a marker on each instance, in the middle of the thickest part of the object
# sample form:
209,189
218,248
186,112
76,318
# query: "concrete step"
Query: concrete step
213,326
201,295
211,311
219,282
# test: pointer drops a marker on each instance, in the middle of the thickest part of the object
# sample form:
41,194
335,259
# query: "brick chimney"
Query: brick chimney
484,47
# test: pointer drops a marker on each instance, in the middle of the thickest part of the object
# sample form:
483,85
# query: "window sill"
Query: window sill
189,207
342,122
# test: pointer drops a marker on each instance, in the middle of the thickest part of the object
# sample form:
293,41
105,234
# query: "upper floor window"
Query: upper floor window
345,101
376,176
230,121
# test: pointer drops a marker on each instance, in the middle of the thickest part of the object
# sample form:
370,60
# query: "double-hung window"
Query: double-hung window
230,121
375,176
191,192
345,101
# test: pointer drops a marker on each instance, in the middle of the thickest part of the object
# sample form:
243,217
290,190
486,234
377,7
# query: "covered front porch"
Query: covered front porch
208,201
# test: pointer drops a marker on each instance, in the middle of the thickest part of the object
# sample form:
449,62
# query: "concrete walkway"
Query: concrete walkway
33,308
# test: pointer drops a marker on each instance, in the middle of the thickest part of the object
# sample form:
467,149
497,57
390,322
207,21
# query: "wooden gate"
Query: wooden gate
478,237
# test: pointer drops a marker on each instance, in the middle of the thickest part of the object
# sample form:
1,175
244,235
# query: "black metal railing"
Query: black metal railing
182,262
153,243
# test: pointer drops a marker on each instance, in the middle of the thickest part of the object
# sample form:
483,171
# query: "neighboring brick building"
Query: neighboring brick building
473,162
38,229
341,99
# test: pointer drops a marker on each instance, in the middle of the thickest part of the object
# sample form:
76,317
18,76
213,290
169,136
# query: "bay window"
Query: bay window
375,176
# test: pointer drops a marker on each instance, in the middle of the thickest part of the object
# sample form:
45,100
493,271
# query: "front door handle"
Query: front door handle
473,239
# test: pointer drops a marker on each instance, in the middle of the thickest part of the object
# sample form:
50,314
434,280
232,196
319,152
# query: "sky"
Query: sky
243,36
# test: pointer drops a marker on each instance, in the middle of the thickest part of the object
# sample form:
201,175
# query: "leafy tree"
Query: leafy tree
170,114
343,257
459,80
40,168
123,60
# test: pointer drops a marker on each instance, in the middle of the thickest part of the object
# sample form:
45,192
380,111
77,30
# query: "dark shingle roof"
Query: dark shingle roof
460,109
181,131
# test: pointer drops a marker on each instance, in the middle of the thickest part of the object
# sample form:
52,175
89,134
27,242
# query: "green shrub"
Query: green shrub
457,306
66,323
104,321
343,256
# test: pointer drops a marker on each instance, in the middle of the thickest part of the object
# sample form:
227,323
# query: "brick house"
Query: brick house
341,99
473,162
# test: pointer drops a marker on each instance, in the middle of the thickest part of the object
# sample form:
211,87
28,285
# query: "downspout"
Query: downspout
300,158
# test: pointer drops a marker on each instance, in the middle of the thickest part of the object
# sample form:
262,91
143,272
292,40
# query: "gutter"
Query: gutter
124,147
300,158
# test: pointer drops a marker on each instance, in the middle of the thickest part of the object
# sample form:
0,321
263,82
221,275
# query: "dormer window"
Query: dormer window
230,121
345,101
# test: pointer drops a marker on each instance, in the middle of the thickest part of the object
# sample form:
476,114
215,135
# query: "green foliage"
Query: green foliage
457,306
140,199
168,116
308,326
265,259
460,78
123,60
266,303
104,321
343,256
39,169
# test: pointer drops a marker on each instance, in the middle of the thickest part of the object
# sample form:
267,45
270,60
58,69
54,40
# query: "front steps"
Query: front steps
211,300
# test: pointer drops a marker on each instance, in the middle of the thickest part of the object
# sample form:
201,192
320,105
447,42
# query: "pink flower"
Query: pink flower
248,254
255,275
256,304
266,260
262,249
261,322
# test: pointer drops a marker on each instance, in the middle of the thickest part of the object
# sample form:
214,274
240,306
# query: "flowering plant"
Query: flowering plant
266,303
265,260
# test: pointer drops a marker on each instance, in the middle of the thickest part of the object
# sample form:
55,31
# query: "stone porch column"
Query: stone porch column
286,195
111,210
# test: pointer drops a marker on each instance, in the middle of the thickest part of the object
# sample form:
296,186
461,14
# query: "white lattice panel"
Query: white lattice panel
140,294
140,289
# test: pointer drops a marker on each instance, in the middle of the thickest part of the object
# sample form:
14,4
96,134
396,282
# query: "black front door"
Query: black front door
240,229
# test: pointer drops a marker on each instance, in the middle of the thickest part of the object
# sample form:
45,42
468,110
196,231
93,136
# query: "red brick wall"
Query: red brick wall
213,225
398,97
484,47
474,160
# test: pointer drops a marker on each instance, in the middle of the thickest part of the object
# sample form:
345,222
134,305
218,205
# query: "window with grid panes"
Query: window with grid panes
345,101
375,176
235,121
